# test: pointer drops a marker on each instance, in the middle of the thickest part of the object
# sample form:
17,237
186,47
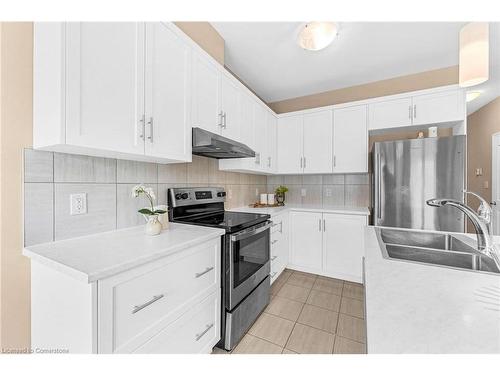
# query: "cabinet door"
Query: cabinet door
205,94
439,107
350,140
105,85
343,246
247,133
318,149
260,134
390,114
168,89
230,107
271,142
290,146
306,240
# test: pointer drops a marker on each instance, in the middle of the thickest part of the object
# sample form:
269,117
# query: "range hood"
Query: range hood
214,146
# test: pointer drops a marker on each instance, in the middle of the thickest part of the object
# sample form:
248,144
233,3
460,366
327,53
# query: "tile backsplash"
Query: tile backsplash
50,178
329,189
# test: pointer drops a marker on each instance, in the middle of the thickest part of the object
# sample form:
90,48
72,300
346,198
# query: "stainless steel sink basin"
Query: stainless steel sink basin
441,249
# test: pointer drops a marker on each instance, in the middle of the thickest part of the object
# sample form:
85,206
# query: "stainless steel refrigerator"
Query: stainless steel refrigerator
408,172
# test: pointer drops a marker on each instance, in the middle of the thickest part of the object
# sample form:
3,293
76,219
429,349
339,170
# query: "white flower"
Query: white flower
137,190
150,192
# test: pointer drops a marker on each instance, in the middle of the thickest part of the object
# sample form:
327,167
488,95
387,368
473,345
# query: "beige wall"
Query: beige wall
419,81
16,49
206,36
481,125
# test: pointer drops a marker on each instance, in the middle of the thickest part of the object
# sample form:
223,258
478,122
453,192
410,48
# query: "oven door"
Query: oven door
248,262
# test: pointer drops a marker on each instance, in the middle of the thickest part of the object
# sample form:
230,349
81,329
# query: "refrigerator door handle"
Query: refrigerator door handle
379,185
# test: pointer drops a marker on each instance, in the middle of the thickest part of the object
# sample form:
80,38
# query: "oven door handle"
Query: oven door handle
250,233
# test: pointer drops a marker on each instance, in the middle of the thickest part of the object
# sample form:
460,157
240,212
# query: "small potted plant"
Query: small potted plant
280,194
153,225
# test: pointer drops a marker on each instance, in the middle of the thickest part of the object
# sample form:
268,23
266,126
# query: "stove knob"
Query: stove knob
221,194
184,195
178,196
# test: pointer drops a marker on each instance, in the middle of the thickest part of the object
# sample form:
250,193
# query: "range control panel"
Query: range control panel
191,196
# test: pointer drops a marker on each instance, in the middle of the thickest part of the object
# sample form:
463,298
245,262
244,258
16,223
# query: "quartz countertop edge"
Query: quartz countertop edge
346,210
426,309
98,256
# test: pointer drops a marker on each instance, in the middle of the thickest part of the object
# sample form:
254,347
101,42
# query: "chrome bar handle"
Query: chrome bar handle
224,125
250,232
273,242
320,225
138,308
219,119
207,270
334,160
301,162
201,334
414,111
273,258
409,112
324,226
305,160
150,123
379,186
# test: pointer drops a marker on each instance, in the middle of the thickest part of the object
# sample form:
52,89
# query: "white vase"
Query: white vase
153,226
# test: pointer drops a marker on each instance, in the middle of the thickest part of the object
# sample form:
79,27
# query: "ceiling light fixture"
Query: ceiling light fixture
471,95
474,54
317,35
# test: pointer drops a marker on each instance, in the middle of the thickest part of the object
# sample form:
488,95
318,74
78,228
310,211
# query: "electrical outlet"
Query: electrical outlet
78,204
303,192
256,192
479,171
328,192
486,184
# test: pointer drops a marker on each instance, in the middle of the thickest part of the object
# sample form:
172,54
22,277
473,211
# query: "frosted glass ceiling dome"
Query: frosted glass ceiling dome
315,36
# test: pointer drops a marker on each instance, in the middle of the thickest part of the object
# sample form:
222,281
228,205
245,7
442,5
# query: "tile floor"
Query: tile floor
308,314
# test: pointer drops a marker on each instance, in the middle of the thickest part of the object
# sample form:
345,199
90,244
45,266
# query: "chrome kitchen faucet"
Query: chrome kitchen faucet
481,221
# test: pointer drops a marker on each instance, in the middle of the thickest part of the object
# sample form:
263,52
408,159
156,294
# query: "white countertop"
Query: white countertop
414,308
305,207
101,255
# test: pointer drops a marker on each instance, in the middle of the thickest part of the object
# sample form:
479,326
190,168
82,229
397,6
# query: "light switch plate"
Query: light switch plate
78,204
328,192
303,192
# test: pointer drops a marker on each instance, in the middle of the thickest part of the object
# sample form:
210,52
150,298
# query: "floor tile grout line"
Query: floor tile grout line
295,323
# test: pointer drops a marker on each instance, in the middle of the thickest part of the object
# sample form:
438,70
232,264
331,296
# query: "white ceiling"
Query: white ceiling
265,55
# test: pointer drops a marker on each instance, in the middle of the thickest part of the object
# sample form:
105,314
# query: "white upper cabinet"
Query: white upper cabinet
350,140
260,134
418,109
167,118
230,107
105,85
317,155
206,96
112,89
290,144
390,114
446,106
271,142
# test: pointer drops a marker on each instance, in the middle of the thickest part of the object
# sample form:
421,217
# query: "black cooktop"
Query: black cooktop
228,220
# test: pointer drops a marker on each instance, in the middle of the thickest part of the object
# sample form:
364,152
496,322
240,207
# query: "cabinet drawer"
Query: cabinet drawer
147,299
197,331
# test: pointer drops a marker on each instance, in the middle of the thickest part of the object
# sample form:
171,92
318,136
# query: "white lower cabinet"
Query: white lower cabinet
328,244
279,245
306,240
170,305
343,246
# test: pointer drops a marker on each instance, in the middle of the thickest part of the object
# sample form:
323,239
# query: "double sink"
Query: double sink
441,249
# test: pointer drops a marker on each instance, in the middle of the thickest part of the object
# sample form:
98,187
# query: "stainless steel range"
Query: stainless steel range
245,255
